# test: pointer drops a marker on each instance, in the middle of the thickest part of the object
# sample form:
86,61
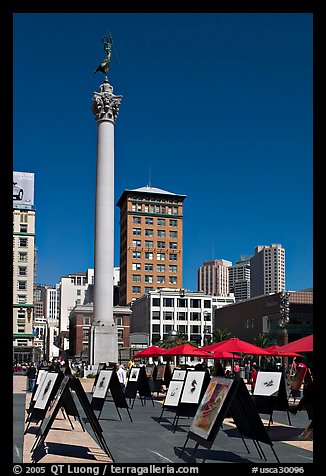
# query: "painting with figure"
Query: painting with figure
267,383
45,390
173,394
102,384
39,381
210,406
179,374
134,372
192,387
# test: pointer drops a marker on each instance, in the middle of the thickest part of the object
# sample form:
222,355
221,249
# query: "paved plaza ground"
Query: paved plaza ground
145,439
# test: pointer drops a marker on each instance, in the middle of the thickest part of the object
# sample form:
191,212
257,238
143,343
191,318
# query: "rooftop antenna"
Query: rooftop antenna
149,175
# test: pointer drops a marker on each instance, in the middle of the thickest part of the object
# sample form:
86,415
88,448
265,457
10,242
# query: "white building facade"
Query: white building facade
73,288
162,311
23,281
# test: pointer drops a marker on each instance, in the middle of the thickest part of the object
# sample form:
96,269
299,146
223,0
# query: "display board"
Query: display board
179,374
270,394
108,381
138,383
72,386
227,397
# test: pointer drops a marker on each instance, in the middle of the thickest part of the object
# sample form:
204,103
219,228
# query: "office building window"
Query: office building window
173,234
161,221
173,245
160,257
173,268
136,278
148,221
156,315
148,244
161,233
136,220
160,268
136,231
173,257
136,266
160,279
148,278
21,285
173,222
22,243
23,228
136,254
168,315
182,316
136,243
161,244
22,270
22,256
172,279
168,302
148,255
148,232
148,289
148,267
195,316
156,301
136,289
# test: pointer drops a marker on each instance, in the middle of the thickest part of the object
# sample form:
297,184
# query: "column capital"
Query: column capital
105,105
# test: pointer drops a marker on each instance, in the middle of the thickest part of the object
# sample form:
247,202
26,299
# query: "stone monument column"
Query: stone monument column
105,106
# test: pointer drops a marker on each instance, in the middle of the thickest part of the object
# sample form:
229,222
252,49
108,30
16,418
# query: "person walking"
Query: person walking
31,376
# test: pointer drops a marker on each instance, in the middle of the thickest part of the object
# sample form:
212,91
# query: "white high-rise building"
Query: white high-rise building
267,270
23,266
239,278
213,277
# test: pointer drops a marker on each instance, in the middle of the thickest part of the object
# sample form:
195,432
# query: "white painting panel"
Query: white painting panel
267,383
102,384
192,388
173,394
45,390
179,374
134,372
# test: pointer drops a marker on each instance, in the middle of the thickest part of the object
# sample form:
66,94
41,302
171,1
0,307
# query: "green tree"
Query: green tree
263,340
221,334
174,340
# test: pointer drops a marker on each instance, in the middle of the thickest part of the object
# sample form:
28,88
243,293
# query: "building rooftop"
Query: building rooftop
150,190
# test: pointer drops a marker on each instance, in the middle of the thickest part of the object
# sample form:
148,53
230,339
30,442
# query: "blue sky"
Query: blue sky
215,106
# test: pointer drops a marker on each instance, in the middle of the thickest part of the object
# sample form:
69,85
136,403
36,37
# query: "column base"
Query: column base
105,345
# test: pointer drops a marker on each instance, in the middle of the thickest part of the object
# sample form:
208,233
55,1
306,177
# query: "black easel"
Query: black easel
117,394
237,403
140,386
277,401
70,384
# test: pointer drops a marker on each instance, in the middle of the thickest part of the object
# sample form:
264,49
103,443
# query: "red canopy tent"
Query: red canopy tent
305,344
222,354
235,345
152,351
186,349
213,346
276,350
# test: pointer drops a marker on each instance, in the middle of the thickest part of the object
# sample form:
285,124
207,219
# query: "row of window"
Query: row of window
148,255
173,245
160,268
150,232
148,278
181,316
150,221
181,329
161,209
153,198
181,302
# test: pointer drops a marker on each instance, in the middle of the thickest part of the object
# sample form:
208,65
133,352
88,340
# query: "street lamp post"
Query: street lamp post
283,321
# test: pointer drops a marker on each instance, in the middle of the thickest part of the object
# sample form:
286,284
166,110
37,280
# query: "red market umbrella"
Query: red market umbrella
236,345
152,351
305,344
212,347
186,349
220,354
277,351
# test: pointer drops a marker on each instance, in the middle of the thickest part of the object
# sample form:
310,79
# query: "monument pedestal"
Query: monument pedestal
105,347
